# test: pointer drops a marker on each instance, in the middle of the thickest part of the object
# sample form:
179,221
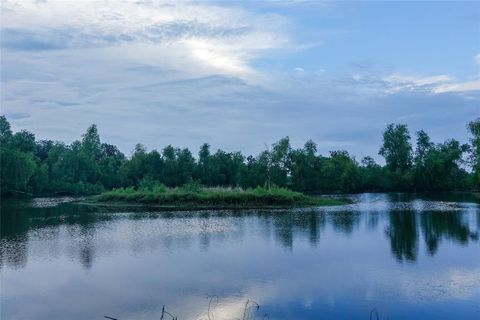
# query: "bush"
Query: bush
193,194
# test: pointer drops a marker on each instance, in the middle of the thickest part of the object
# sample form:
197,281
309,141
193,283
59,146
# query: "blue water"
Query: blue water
395,255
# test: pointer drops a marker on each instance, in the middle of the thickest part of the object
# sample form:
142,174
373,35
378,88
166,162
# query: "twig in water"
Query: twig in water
245,311
209,312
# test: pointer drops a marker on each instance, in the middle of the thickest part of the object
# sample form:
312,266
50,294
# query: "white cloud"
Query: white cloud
298,71
430,84
418,81
216,38
398,82
477,58
458,87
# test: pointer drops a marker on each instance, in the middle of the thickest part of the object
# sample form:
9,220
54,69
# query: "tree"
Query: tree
280,162
17,168
474,128
424,147
340,173
5,132
24,141
397,151
396,148
305,167
373,176
17,164
204,171
90,166
442,167
91,144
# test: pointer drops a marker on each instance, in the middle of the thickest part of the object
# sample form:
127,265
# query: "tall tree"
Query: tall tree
424,147
396,148
474,128
280,162
91,142
5,131
397,151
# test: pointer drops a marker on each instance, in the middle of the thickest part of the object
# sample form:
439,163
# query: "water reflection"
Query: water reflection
336,262
437,226
404,228
403,234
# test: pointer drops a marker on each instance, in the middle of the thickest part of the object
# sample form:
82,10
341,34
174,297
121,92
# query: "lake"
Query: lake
397,256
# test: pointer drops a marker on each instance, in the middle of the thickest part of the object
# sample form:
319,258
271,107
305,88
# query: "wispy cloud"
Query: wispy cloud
433,84
221,38
410,83
458,87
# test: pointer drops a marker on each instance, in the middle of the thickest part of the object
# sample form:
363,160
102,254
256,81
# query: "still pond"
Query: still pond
393,255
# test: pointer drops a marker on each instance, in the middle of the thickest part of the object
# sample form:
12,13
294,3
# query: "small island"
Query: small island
193,195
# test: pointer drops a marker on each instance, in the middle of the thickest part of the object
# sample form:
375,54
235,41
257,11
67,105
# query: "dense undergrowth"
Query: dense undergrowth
193,194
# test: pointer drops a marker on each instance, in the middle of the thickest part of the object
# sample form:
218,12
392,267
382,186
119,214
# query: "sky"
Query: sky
240,75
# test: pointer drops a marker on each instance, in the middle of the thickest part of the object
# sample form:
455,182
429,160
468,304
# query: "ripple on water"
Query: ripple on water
50,202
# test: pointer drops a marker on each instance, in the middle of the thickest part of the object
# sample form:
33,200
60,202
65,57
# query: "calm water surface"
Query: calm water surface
407,257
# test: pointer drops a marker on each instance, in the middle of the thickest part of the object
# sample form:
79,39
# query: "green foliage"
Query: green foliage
5,132
396,148
191,187
91,167
193,194
16,170
474,128
340,173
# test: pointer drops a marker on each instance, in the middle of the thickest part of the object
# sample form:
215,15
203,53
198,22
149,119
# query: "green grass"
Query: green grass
192,195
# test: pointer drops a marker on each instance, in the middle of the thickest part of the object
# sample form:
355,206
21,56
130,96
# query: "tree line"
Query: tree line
88,166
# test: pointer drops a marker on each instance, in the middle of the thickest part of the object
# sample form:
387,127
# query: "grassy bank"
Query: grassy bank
197,196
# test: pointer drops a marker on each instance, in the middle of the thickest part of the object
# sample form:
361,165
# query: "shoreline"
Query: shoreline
194,206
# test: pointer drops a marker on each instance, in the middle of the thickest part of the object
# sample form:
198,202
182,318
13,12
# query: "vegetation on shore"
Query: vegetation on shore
88,166
194,195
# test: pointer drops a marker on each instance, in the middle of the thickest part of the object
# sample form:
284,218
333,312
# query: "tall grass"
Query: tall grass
193,194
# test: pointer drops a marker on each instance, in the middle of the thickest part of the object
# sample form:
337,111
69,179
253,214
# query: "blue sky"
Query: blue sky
240,75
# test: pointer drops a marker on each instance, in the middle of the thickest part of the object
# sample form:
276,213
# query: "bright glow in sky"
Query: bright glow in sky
240,74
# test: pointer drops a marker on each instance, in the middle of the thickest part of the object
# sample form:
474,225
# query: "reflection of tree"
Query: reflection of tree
345,221
403,235
18,219
399,197
87,254
289,225
372,219
283,224
81,223
205,232
316,221
14,227
87,244
444,225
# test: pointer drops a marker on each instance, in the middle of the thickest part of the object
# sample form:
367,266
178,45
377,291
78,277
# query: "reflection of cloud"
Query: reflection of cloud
454,283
